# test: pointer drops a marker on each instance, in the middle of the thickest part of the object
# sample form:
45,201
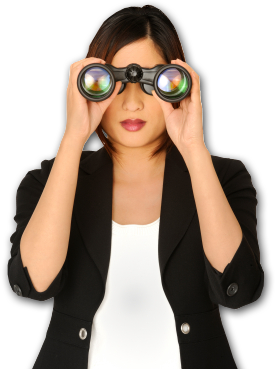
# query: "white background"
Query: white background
233,48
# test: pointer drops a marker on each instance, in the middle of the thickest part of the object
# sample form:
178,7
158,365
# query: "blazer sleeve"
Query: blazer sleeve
242,280
27,197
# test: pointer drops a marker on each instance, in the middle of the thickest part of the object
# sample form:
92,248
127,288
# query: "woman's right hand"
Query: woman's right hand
83,116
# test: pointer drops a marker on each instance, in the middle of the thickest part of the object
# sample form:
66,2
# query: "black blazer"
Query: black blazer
192,286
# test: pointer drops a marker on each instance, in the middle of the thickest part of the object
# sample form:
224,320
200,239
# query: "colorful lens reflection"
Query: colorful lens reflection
96,81
172,83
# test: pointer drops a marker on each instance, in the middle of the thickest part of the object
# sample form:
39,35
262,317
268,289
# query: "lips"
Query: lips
133,121
133,124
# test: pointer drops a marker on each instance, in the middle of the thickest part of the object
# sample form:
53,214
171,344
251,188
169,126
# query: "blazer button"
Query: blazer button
185,328
232,289
17,290
83,333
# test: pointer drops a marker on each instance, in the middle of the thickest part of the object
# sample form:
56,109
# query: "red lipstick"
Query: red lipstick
133,124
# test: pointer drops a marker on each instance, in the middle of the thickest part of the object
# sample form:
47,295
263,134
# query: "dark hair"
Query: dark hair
129,25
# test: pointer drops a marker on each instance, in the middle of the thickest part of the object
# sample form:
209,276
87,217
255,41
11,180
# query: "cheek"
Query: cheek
155,113
111,109
109,115
156,122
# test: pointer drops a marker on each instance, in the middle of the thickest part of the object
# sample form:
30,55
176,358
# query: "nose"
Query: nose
133,88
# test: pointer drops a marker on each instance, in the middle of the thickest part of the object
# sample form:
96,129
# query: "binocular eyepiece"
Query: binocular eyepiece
171,82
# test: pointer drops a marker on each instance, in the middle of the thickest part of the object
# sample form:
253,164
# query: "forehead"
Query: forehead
142,52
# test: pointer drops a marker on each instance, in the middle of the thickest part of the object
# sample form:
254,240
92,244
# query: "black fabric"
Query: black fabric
192,286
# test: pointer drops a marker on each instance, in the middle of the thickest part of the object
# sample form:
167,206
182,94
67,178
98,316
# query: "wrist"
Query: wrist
73,140
195,155
71,144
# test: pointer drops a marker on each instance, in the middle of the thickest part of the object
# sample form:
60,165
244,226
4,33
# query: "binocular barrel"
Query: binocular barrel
171,82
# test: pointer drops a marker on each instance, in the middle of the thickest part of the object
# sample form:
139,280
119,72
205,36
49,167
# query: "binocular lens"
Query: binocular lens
172,83
96,82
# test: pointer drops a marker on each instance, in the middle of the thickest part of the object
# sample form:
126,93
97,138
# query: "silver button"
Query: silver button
185,328
17,290
83,333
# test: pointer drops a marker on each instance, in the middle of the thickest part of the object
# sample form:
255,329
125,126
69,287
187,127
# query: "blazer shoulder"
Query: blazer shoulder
220,161
234,176
85,154
229,169
223,164
41,174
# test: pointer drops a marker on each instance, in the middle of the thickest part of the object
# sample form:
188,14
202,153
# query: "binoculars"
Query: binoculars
171,82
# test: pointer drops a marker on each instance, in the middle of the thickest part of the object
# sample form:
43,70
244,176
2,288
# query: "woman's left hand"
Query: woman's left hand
185,124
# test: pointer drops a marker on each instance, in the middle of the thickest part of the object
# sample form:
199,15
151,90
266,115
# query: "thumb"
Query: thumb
105,103
166,107
118,85
117,88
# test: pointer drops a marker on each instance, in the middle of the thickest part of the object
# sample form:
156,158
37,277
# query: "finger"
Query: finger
84,62
186,66
195,88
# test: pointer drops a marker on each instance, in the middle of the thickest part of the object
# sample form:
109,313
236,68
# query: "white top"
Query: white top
134,326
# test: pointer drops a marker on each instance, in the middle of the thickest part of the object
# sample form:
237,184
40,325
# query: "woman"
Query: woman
140,241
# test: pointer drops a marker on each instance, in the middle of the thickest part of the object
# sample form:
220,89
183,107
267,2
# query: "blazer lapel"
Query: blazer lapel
93,207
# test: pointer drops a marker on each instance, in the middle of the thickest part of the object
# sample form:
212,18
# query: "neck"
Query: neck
136,164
